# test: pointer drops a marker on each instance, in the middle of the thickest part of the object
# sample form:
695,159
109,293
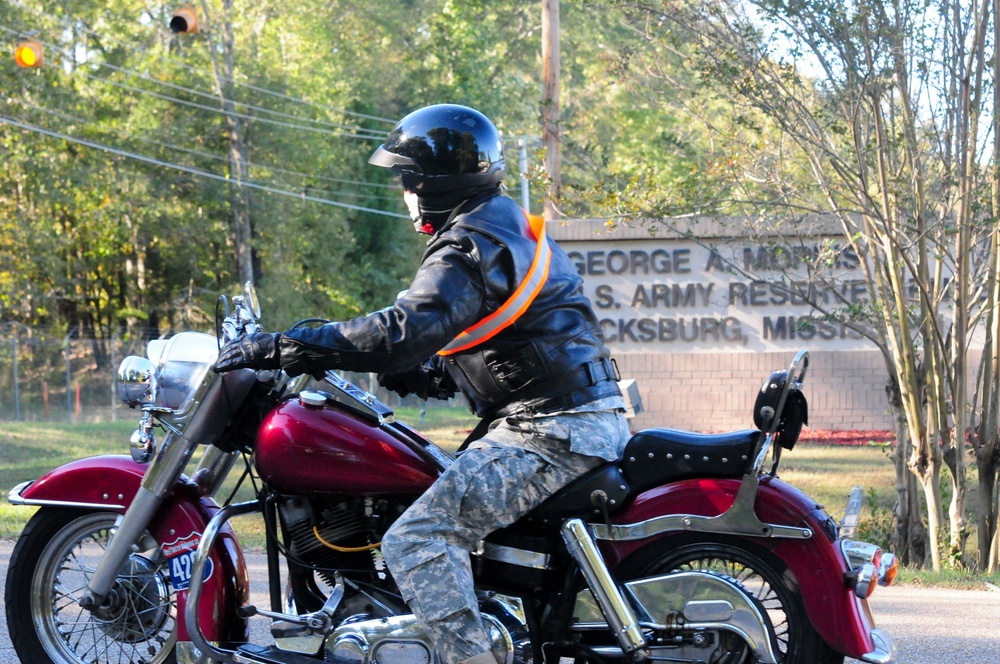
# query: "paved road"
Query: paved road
929,625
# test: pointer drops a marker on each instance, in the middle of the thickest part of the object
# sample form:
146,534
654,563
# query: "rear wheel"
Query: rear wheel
763,575
50,567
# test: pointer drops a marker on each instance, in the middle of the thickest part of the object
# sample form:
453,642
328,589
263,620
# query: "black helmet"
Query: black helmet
443,149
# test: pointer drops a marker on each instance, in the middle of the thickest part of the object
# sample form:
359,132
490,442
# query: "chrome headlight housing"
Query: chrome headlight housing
138,383
171,374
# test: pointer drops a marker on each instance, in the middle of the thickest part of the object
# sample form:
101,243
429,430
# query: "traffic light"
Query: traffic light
28,53
184,21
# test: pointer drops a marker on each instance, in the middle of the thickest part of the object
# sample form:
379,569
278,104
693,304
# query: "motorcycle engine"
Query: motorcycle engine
375,626
311,525
402,640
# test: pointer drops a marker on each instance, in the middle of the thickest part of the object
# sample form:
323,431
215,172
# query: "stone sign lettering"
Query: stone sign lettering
674,295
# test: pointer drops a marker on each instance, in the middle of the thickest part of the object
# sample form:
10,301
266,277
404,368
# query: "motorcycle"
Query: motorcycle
684,550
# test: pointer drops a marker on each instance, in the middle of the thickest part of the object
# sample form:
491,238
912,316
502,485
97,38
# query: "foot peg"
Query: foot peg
304,633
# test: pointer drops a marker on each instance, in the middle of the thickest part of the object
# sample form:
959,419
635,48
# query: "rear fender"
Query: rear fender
838,615
110,483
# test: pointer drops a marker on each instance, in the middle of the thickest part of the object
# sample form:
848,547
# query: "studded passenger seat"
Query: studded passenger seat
656,456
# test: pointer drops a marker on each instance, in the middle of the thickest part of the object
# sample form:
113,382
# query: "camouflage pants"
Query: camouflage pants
520,462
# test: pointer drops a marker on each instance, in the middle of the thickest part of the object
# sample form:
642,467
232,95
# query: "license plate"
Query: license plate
180,561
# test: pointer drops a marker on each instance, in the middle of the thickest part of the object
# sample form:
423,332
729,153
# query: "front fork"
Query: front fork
157,484
201,422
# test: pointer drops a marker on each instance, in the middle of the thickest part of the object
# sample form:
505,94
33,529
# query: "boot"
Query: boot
481,658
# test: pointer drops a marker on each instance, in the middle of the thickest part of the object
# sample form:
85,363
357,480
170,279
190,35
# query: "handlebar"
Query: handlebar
244,317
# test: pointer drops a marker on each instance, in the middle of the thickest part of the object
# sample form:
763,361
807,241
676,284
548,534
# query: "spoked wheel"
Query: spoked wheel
50,567
765,577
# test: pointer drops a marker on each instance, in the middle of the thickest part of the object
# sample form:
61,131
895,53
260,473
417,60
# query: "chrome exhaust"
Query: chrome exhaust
621,618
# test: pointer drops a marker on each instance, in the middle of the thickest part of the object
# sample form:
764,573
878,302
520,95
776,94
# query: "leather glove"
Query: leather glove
254,351
404,383
429,380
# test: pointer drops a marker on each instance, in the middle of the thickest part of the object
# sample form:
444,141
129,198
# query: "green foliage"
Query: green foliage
877,526
100,240
103,241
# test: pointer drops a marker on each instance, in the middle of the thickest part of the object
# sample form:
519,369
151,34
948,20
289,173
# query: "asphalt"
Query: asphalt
928,625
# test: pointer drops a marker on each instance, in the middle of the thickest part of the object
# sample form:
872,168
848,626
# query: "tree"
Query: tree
876,115
282,110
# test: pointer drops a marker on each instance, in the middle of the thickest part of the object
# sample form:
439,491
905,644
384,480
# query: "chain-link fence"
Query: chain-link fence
60,376
49,375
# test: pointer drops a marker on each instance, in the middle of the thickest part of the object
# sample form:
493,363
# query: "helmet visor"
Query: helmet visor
387,159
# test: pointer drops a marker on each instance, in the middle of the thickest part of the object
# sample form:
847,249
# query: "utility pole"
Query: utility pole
69,377
550,102
17,392
523,163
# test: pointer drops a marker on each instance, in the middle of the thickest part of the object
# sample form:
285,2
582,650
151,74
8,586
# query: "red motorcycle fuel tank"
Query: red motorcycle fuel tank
306,449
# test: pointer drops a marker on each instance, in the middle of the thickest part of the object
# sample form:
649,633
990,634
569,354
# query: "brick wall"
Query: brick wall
715,392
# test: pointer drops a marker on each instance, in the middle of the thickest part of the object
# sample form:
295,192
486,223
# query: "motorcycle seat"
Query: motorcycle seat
657,456
584,497
652,457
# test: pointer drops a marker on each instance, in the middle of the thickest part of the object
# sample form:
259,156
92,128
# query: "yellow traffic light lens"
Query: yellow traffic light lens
28,55
25,56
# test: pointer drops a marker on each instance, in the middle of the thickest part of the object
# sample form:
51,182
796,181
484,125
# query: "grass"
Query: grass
825,472
961,579
29,450
447,427
828,473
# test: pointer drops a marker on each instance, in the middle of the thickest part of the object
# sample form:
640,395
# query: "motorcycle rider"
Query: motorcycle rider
495,311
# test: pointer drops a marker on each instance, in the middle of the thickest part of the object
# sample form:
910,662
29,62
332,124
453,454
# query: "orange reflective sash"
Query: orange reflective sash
517,303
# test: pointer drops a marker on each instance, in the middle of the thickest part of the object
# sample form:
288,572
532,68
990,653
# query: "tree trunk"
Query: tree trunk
958,527
986,447
993,562
927,468
918,531
908,539
987,517
550,103
899,541
237,131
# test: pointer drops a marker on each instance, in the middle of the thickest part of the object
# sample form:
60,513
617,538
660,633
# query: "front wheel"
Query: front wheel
50,567
761,573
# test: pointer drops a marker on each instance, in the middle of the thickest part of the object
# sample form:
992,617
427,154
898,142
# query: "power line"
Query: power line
193,171
213,97
213,109
66,21
245,116
196,91
201,153
216,157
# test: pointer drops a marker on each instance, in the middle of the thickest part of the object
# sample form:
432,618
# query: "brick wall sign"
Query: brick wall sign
733,296
700,323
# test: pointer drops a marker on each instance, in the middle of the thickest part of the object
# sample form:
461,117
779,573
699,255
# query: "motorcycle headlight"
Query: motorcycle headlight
137,381
183,361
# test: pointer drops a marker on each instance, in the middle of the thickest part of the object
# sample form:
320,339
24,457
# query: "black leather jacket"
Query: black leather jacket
551,358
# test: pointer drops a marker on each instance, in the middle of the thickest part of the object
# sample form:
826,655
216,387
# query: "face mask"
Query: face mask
420,224
412,204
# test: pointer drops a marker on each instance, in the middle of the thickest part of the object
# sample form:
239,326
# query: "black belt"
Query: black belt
562,385
551,394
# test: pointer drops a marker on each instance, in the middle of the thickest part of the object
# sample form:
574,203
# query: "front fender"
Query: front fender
110,482
838,615
107,482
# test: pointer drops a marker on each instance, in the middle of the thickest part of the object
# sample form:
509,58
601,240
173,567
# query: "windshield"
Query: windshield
182,361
